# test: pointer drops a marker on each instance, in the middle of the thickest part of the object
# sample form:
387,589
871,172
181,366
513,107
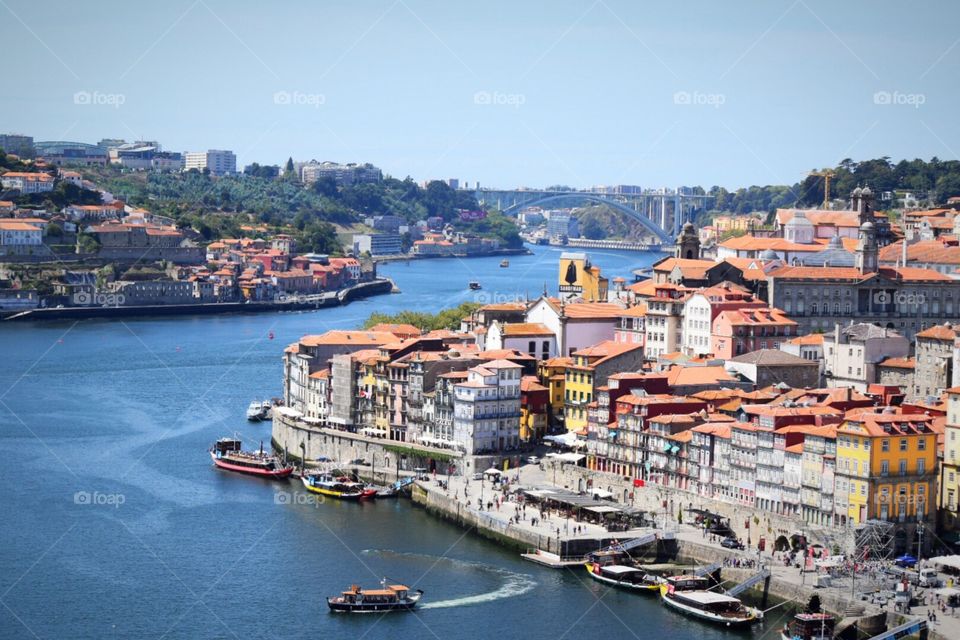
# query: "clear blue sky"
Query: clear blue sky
507,93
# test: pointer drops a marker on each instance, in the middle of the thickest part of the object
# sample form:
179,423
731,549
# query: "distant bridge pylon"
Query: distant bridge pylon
662,212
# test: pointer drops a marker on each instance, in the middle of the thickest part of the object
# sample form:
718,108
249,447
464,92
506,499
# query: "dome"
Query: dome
769,254
866,193
688,228
867,226
799,219
857,192
835,243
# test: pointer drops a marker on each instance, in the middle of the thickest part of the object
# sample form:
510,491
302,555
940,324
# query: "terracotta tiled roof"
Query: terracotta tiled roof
592,310
526,329
899,363
939,332
338,337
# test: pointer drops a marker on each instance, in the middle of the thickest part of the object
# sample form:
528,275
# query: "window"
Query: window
922,444
903,467
884,468
903,444
921,466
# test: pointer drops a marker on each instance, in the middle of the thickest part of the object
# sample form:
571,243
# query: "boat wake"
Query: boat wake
513,584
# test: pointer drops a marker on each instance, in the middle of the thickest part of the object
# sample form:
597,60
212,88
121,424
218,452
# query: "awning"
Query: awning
569,457
947,561
602,509
602,493
948,591
674,449
666,447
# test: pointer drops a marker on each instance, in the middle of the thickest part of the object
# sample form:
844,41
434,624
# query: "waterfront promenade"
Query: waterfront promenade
843,595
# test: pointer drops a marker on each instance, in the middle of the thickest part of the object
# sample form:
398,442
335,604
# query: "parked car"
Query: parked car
533,460
478,475
359,461
731,543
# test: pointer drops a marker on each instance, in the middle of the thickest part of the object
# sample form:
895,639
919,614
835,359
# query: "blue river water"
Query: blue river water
113,524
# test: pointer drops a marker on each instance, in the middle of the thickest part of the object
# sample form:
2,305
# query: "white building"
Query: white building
219,162
16,233
486,408
533,338
25,182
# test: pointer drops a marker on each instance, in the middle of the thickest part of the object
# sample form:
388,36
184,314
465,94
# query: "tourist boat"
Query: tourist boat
389,597
227,453
809,626
341,488
473,284
624,577
504,263
255,412
711,606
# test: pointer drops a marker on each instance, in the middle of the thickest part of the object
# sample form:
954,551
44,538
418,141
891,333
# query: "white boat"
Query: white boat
718,608
255,411
266,410
624,577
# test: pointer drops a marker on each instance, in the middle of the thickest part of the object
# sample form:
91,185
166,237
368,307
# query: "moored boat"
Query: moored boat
504,263
711,606
227,453
340,488
389,597
624,577
809,626
255,411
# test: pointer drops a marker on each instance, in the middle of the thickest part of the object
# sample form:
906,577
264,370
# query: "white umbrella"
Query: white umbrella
493,471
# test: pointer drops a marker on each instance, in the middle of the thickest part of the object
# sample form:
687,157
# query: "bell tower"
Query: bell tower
688,243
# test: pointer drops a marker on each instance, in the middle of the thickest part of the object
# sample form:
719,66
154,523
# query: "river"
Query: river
115,525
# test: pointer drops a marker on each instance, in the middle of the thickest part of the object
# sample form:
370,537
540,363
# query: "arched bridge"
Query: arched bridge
662,212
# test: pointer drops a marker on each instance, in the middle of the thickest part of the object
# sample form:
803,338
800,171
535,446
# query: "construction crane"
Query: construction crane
826,175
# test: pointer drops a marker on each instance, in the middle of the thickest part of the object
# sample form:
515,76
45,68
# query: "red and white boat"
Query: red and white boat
227,454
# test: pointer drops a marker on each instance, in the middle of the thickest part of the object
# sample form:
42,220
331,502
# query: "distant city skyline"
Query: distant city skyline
588,94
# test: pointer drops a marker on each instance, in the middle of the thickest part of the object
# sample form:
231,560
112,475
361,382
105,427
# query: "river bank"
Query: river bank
378,286
522,251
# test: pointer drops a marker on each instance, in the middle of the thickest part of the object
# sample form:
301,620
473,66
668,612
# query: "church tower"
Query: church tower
867,250
861,201
688,243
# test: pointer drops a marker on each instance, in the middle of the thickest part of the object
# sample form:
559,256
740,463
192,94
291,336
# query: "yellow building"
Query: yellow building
590,369
725,224
886,470
949,497
580,279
